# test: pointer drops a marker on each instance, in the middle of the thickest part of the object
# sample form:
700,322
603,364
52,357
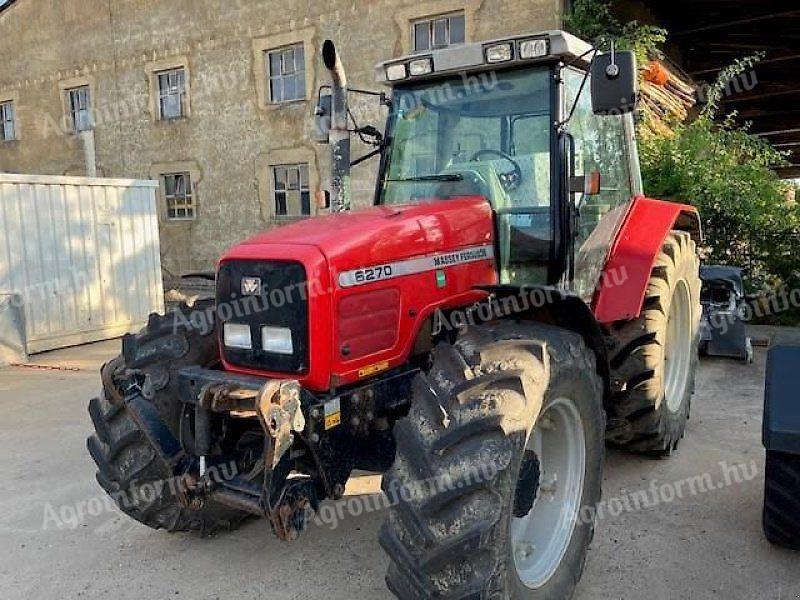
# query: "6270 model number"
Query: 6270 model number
373,273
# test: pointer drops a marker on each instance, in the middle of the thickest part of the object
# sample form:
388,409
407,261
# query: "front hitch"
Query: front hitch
281,415
286,503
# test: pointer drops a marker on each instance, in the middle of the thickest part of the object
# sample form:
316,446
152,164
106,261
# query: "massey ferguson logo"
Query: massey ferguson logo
251,286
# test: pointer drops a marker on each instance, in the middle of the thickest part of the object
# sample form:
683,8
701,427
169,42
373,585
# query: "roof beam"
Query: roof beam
762,93
776,132
761,63
736,23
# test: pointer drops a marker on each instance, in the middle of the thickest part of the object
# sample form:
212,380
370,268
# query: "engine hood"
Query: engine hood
379,234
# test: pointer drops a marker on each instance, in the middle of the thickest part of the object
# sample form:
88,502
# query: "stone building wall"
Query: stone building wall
232,135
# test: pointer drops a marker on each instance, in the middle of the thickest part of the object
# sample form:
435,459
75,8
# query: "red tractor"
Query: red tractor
510,303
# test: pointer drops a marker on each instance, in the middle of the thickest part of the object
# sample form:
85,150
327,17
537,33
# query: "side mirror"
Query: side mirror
322,118
615,83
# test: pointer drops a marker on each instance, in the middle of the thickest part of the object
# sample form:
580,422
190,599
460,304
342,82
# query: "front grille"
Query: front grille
280,301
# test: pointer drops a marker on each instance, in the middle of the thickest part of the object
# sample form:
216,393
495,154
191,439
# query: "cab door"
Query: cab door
604,145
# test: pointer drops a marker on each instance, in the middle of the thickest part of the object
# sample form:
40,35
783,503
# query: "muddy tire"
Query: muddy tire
129,467
468,471
782,500
654,358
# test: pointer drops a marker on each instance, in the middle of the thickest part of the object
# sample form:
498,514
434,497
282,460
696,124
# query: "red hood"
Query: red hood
378,234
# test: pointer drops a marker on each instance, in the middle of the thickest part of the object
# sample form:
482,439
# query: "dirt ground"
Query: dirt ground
682,528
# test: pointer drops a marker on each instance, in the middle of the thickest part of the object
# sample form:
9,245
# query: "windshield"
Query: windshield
486,135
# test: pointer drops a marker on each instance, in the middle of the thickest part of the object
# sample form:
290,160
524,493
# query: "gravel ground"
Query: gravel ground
663,532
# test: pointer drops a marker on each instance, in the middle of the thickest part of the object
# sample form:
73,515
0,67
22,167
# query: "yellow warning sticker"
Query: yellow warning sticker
333,414
373,369
332,421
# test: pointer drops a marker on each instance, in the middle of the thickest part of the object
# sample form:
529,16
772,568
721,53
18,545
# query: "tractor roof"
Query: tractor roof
483,56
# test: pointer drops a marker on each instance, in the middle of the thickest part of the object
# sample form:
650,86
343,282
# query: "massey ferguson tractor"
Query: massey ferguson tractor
510,303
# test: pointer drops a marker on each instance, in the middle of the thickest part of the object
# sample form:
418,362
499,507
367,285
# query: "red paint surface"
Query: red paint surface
633,254
327,246
368,322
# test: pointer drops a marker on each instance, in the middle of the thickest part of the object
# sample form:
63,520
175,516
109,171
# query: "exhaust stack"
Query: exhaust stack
339,135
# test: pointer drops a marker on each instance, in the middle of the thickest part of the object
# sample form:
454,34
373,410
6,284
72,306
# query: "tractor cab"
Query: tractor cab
513,121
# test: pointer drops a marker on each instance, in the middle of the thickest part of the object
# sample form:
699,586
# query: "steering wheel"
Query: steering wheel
510,180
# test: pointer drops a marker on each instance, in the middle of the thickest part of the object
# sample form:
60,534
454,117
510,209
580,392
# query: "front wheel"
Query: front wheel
130,468
499,468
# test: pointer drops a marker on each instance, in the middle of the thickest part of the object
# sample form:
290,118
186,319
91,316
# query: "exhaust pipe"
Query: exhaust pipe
339,136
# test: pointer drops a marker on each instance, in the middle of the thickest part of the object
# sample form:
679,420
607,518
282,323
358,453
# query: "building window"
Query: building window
7,130
80,108
179,196
287,74
438,32
172,94
291,193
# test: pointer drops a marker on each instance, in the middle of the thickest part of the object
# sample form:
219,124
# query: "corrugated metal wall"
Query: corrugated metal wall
83,253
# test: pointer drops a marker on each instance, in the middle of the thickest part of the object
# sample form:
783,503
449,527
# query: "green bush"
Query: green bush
727,174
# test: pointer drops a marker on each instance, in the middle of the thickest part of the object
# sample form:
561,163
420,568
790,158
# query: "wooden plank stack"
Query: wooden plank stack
666,99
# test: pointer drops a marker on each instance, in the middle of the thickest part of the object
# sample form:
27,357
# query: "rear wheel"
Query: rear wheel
129,467
499,466
654,358
782,500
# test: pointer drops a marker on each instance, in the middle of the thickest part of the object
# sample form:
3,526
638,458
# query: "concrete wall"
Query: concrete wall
232,135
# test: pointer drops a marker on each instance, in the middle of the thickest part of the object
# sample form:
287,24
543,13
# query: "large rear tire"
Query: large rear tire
502,451
129,467
782,500
654,358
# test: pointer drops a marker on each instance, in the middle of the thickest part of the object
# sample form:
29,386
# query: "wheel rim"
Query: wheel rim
677,353
539,539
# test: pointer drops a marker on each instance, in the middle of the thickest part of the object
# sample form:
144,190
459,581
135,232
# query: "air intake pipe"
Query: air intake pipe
339,135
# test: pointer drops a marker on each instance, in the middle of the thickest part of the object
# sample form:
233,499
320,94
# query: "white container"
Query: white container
82,253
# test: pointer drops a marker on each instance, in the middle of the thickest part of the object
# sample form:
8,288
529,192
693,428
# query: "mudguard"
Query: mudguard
633,255
781,408
557,307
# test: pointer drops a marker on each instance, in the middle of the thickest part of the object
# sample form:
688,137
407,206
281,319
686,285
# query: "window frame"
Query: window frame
188,199
585,270
72,111
302,187
299,75
5,105
182,92
431,22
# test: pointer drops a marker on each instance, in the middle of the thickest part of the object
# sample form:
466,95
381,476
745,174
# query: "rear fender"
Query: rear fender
623,284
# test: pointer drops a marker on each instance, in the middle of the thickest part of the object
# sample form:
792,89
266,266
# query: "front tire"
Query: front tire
474,463
654,358
129,467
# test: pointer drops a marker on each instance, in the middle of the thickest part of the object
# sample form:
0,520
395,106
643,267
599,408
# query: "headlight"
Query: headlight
533,48
396,72
498,53
420,66
277,340
237,336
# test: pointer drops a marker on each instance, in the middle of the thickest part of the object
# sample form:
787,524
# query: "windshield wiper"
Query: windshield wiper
440,177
